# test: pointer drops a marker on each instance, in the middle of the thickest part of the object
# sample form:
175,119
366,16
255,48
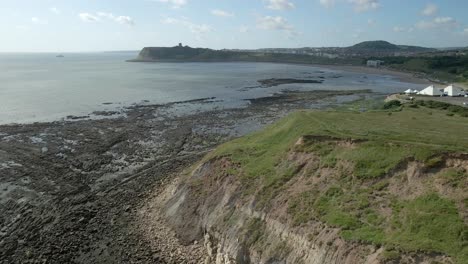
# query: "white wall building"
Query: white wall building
409,91
452,90
374,63
431,91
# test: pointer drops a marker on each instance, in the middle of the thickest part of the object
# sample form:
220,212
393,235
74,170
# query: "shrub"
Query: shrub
392,104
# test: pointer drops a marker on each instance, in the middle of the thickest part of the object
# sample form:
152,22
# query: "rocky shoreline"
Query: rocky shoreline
81,191
275,82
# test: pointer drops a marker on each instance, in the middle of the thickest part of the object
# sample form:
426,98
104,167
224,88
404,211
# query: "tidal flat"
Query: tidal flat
71,190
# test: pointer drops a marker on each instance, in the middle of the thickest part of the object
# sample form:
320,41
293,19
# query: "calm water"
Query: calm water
41,87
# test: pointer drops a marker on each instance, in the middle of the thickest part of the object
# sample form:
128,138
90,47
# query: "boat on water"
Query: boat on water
60,56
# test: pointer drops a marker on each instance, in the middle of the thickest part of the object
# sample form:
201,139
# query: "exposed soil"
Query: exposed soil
76,191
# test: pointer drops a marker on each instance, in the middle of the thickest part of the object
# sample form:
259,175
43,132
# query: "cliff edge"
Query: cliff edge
332,187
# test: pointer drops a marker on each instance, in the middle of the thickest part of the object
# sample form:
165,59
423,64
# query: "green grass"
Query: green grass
452,109
411,133
380,143
429,223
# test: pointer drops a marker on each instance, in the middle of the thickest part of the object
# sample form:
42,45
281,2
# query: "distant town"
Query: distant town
364,49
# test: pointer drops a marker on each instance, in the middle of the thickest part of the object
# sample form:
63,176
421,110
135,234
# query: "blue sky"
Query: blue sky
98,25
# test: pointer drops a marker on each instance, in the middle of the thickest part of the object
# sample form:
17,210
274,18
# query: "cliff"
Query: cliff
188,54
331,187
172,53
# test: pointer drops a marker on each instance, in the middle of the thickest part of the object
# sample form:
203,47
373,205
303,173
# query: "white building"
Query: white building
452,90
409,91
374,63
431,91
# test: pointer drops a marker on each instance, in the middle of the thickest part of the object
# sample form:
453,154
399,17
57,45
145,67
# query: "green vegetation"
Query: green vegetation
454,177
374,144
429,223
188,54
392,104
448,68
410,133
453,109
381,46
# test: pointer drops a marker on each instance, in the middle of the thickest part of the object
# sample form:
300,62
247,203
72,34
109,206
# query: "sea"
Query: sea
43,87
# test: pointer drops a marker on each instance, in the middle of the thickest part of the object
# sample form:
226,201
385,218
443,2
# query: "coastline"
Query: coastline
95,176
399,75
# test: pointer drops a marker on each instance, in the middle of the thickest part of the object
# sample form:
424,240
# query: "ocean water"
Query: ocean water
42,87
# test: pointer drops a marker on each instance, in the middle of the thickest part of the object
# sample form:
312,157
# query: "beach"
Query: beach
73,191
79,188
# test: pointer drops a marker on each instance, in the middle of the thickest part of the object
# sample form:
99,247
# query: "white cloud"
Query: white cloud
38,21
445,20
221,13
174,3
438,23
197,29
273,23
327,3
125,20
87,17
364,5
106,15
279,4
55,10
276,23
430,10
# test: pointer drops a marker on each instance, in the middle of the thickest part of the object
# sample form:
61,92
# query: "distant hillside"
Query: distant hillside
382,47
173,53
364,50
379,45
189,54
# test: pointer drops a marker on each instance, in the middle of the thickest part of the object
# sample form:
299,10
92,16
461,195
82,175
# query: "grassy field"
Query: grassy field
430,222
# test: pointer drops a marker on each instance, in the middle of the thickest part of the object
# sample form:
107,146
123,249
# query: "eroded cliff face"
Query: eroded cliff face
235,232
242,224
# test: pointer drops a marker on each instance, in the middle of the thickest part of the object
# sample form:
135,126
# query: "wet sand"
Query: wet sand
399,75
76,191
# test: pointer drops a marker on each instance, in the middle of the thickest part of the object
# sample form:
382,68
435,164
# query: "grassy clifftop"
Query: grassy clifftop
397,180
188,54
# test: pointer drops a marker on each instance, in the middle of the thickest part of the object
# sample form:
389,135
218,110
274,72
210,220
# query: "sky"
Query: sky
106,25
